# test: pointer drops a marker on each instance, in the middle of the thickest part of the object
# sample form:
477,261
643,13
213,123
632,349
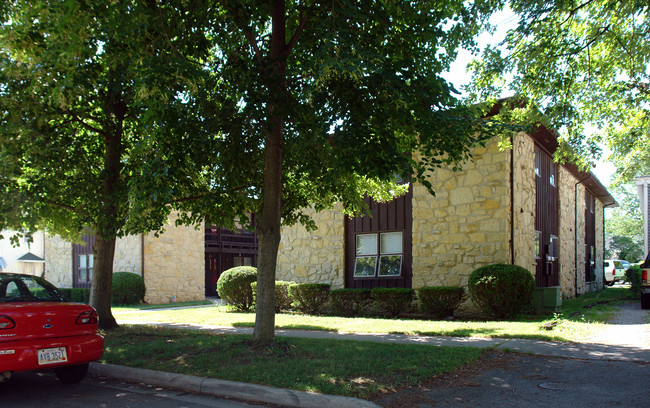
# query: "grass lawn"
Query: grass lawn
339,367
331,366
576,328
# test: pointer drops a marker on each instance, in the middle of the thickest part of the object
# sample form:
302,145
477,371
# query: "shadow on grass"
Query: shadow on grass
305,327
242,324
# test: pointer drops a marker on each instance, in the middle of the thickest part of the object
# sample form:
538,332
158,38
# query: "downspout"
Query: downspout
575,232
142,256
512,201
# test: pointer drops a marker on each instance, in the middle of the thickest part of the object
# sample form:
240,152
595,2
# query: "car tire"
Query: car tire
611,283
645,301
71,374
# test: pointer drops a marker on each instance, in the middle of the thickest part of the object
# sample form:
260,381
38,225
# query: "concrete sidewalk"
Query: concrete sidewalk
289,398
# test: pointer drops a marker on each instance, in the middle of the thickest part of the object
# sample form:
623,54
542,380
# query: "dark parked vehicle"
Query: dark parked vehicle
645,283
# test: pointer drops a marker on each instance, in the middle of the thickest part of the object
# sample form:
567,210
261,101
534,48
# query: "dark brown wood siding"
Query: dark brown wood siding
546,219
396,215
222,248
77,251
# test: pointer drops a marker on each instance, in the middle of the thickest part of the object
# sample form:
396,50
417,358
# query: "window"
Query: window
243,261
538,238
378,254
86,264
553,248
538,164
552,178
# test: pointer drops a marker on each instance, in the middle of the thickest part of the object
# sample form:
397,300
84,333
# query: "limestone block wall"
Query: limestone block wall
569,207
466,225
524,201
314,257
600,245
58,261
128,254
174,264
580,253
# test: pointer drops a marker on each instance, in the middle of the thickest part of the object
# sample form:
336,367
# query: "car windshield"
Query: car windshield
24,288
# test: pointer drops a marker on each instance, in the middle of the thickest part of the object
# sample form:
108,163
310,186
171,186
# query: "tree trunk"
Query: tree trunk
102,280
106,227
271,217
269,236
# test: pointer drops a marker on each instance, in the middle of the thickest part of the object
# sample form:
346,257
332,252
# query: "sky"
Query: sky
458,76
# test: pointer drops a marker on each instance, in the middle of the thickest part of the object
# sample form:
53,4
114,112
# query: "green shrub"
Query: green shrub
349,302
309,297
393,300
633,275
282,298
80,295
501,290
234,287
128,288
440,301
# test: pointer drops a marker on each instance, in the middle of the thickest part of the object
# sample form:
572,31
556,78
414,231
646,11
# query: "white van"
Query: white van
615,270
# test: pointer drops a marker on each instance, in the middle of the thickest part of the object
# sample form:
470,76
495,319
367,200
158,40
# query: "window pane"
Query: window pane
537,240
82,261
83,275
390,265
552,175
367,244
90,274
91,261
538,171
391,243
365,266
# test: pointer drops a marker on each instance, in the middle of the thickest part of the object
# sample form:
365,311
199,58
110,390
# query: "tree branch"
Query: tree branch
83,123
303,18
64,206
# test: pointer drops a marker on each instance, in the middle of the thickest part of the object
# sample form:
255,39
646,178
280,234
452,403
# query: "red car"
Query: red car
40,329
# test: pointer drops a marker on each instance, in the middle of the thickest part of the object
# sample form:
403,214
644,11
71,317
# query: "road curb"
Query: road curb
228,389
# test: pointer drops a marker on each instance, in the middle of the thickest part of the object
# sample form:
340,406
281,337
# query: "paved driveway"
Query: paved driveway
523,380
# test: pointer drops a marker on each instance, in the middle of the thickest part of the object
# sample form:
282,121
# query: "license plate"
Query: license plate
52,355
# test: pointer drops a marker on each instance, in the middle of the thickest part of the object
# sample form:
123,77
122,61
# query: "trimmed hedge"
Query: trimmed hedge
234,287
440,301
282,299
393,300
80,295
501,290
128,289
309,297
349,302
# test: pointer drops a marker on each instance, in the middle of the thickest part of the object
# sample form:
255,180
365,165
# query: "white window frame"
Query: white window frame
377,257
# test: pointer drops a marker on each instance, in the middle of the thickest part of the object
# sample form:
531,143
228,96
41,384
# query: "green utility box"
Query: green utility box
547,299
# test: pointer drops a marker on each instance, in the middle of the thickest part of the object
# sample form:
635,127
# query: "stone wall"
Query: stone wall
58,261
128,254
600,245
314,257
569,207
524,202
58,258
466,224
174,264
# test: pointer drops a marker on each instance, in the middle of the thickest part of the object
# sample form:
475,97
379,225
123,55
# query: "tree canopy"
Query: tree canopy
221,109
83,86
584,64
624,227
321,102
